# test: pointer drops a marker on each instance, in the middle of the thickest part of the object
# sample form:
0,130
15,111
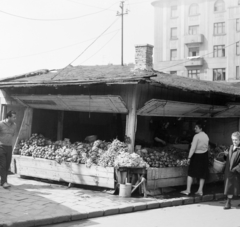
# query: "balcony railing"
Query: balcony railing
194,61
189,39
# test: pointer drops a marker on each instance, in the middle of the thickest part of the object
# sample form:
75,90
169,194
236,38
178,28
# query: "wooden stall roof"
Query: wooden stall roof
78,75
158,107
187,84
116,74
92,103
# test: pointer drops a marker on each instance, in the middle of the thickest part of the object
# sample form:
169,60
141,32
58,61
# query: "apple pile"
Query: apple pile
168,157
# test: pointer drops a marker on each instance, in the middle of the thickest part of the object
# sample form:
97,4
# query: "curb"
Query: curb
61,217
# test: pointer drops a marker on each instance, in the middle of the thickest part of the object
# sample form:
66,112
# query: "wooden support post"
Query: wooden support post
239,124
131,123
60,125
3,111
26,127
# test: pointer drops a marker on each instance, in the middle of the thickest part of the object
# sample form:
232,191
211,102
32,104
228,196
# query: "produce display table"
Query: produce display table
174,176
106,177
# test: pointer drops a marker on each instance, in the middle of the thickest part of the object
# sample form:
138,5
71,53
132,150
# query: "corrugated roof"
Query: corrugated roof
115,74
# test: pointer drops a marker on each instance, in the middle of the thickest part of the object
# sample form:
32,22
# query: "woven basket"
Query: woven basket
218,165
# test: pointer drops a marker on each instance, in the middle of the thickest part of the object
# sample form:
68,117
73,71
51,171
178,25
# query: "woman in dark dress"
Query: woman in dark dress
232,170
198,160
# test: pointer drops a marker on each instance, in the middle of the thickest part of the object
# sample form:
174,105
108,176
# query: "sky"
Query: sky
51,34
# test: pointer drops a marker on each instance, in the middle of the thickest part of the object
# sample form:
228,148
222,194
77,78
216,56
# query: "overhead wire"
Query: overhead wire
86,48
199,57
59,19
134,3
60,48
102,47
80,3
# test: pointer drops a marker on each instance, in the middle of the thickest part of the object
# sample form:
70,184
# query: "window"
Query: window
219,51
193,10
238,2
219,6
238,48
173,72
193,51
173,33
173,55
237,73
174,11
194,73
238,24
193,30
219,74
219,28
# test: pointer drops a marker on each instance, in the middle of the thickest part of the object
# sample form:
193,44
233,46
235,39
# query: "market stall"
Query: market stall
78,101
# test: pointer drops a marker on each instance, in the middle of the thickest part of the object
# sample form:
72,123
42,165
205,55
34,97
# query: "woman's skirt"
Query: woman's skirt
198,167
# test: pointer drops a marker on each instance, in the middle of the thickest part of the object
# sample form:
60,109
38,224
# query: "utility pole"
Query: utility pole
122,14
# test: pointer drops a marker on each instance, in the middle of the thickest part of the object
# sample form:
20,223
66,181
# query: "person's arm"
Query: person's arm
193,146
160,140
237,167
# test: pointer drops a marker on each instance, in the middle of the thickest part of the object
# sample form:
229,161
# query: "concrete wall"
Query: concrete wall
206,19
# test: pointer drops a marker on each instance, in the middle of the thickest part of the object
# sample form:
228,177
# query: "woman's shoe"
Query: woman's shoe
227,205
185,192
199,193
6,185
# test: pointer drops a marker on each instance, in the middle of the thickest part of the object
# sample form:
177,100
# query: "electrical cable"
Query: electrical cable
134,3
30,55
199,57
71,18
102,47
86,48
89,5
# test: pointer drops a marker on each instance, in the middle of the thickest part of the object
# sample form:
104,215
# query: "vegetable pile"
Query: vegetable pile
99,153
168,157
108,154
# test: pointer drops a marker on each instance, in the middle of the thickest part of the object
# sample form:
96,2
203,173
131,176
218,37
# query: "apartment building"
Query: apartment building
198,39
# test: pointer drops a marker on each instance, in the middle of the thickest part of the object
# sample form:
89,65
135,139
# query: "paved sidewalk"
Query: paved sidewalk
34,203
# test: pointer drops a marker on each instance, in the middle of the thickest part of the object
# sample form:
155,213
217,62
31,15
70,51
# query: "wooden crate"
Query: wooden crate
174,176
67,172
166,177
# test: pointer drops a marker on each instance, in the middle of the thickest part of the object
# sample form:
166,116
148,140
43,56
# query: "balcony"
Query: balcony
189,39
193,61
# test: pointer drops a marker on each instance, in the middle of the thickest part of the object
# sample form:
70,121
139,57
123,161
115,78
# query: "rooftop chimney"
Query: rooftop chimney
143,57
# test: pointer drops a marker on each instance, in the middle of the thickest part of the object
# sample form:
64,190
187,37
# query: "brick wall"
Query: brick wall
143,57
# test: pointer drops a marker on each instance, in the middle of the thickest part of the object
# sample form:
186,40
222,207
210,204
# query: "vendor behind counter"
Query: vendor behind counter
161,135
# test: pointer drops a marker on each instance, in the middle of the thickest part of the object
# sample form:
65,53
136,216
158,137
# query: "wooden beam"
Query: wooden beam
131,122
3,111
239,124
26,126
60,125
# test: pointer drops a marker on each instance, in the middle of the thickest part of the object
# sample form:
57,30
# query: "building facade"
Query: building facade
198,39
